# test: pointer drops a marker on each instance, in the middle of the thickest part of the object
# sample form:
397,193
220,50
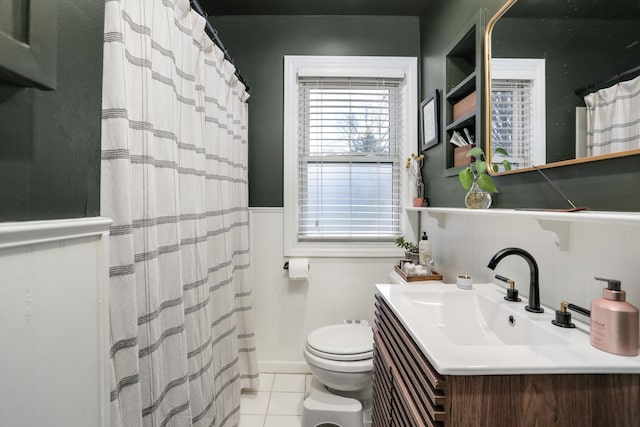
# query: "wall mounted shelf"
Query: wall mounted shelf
556,222
462,89
466,121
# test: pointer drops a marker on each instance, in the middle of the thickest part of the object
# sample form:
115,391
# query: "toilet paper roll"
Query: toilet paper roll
298,268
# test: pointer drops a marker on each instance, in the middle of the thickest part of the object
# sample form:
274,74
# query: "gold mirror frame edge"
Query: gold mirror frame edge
487,107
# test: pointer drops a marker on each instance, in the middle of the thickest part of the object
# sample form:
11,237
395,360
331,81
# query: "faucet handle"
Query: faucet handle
563,317
512,292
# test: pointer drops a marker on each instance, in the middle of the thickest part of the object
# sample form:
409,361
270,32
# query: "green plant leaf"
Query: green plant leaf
494,167
475,152
466,178
486,183
507,165
502,151
481,167
408,246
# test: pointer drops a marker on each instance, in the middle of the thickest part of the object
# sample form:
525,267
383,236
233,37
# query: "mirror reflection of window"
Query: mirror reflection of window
518,111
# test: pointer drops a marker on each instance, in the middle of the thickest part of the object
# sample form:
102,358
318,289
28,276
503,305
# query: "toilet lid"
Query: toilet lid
342,342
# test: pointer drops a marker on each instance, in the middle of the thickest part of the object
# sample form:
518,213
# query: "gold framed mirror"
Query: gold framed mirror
541,59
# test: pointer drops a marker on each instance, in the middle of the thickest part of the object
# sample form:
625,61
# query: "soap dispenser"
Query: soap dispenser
424,250
614,322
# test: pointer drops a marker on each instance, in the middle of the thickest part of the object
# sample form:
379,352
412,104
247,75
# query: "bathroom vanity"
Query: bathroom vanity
450,357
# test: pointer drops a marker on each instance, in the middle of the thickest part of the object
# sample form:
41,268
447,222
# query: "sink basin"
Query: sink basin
483,318
478,332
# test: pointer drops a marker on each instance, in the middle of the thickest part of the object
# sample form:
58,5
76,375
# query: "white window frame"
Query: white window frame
528,69
344,66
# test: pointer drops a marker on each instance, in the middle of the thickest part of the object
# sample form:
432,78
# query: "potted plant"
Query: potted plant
414,165
411,249
477,182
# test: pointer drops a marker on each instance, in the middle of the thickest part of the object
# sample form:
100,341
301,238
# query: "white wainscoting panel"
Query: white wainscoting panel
339,288
286,311
603,247
53,323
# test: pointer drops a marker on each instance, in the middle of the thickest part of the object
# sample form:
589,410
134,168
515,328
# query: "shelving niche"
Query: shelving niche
463,80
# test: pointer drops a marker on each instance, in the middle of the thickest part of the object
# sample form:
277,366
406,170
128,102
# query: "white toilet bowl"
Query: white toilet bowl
342,377
341,359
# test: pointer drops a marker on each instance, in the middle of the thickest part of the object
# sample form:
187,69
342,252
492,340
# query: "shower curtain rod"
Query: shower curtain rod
213,33
625,75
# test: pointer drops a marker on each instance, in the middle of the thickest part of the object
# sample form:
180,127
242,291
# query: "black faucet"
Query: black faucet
534,286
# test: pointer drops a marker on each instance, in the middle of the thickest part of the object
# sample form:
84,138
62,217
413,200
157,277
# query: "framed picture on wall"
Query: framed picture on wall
429,123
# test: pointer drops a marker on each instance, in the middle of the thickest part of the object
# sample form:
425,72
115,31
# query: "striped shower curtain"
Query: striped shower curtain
613,118
174,181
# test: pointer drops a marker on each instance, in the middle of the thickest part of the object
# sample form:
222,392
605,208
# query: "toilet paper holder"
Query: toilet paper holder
286,266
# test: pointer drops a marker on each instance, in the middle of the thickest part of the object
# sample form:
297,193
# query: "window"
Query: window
348,155
345,138
517,110
511,123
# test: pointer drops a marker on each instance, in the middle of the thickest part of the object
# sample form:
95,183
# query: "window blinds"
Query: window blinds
349,158
511,122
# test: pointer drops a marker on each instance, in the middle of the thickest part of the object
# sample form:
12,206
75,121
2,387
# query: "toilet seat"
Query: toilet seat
347,348
345,367
340,357
342,343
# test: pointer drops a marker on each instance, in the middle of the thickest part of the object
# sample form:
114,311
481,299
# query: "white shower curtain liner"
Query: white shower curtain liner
613,118
174,181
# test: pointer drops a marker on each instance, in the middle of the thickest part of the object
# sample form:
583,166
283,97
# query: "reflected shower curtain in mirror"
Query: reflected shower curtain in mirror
174,181
613,118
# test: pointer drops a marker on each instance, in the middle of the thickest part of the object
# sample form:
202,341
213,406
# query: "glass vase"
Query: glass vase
477,198
419,189
418,200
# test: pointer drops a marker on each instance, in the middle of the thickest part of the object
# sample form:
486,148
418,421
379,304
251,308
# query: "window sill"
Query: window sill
344,250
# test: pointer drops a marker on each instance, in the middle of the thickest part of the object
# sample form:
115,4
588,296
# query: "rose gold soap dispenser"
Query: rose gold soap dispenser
614,322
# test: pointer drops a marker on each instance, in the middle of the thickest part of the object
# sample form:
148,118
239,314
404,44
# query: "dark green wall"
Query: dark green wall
258,45
603,185
50,140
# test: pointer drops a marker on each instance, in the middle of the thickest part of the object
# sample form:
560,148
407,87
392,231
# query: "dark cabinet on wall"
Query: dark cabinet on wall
463,94
28,42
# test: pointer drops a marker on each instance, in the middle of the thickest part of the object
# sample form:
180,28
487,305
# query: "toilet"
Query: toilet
341,360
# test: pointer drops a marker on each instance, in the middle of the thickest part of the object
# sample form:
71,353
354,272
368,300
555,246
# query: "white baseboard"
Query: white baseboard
283,367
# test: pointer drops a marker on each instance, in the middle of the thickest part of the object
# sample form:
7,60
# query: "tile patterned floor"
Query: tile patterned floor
276,403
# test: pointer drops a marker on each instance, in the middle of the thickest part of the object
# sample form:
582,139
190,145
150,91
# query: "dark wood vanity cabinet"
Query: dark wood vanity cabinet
408,391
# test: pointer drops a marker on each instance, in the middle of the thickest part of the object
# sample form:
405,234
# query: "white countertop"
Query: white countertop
447,324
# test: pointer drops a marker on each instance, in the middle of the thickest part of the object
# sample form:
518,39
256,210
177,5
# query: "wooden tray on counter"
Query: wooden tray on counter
416,278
